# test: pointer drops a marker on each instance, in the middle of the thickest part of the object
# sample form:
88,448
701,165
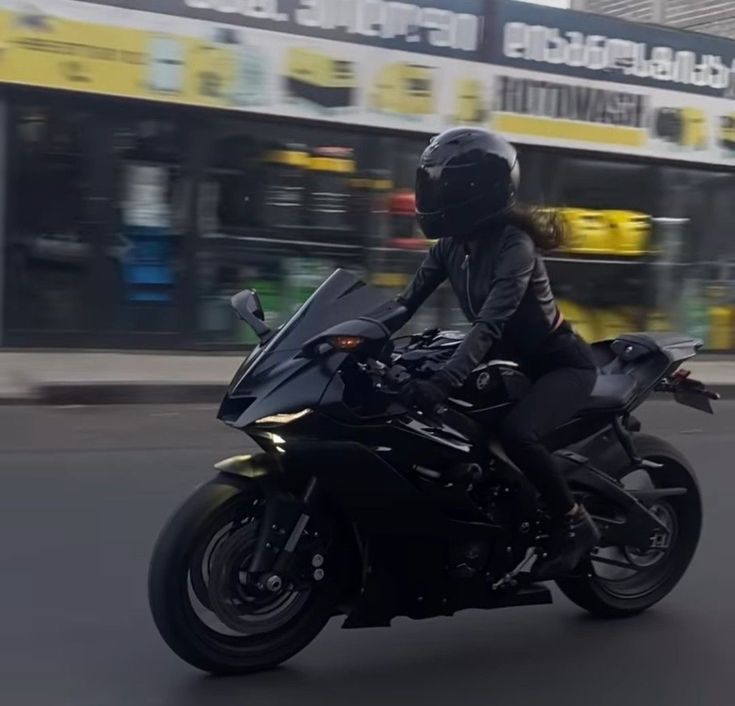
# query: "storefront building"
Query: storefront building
153,163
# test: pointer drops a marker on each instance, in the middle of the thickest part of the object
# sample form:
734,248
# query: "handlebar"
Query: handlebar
387,379
391,380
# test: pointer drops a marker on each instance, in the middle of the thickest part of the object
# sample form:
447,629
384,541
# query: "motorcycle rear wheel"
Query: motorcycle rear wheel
178,582
657,573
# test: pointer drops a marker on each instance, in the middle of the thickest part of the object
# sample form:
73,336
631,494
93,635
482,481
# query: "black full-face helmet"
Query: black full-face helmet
466,177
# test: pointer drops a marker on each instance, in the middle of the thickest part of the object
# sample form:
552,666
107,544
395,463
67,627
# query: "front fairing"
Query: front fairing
284,382
277,377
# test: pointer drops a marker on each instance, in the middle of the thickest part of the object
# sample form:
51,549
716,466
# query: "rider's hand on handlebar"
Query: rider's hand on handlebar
426,394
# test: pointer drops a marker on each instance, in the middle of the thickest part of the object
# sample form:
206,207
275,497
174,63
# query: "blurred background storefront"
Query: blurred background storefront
710,16
149,177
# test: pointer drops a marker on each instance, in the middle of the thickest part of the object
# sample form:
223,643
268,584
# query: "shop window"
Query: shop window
648,244
48,251
401,252
152,204
280,206
604,276
706,282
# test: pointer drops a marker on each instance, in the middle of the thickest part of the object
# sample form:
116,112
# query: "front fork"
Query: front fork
284,522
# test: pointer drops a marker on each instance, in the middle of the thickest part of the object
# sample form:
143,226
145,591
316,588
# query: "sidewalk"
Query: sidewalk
72,377
105,377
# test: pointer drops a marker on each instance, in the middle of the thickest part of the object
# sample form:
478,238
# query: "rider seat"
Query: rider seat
611,392
615,389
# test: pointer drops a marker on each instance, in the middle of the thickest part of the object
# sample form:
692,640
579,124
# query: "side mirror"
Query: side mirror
250,310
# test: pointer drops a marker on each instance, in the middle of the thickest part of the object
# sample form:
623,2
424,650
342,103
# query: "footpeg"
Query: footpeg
651,465
509,580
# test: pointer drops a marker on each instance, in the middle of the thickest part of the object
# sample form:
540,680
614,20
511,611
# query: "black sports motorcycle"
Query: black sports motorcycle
363,508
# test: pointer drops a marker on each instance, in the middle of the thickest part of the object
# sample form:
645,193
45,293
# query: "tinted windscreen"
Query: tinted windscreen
341,297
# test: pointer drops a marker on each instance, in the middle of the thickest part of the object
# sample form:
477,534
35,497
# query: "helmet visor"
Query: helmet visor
439,188
429,192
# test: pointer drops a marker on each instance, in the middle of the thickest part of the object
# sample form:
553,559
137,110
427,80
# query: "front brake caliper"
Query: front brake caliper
282,523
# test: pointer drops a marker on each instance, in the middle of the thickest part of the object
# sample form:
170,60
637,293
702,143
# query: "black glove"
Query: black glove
426,394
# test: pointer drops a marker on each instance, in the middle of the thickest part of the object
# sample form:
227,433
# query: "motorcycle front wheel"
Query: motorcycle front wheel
202,601
622,581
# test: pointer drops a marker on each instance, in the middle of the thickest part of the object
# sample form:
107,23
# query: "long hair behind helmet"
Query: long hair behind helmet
546,228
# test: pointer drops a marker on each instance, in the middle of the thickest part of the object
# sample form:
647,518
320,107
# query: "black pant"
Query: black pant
563,374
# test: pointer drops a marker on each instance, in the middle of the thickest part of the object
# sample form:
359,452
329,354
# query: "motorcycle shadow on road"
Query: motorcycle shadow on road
477,658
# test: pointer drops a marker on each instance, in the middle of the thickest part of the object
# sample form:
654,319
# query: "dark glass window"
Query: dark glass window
48,249
151,198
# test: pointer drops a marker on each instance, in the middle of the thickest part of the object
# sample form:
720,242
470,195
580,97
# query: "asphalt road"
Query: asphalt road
85,491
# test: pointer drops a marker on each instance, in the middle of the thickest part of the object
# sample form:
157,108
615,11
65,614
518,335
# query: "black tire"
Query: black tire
590,593
170,595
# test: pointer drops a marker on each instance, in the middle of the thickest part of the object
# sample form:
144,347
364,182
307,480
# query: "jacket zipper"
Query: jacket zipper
466,267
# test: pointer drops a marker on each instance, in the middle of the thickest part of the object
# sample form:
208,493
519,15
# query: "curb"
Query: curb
125,393
60,394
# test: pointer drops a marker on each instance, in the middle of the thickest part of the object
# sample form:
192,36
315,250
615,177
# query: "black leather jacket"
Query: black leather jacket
503,289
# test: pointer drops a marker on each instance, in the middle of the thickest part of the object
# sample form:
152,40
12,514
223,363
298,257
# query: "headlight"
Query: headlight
285,418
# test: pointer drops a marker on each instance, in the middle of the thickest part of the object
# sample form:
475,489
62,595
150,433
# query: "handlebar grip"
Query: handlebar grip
397,376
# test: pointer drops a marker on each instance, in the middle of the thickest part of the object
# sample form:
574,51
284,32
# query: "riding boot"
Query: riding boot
570,542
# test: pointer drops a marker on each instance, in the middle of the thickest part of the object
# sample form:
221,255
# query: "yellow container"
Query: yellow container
610,323
319,77
579,317
404,88
588,232
657,321
721,328
629,232
394,280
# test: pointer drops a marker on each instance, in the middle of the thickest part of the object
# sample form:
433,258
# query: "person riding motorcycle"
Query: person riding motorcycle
488,247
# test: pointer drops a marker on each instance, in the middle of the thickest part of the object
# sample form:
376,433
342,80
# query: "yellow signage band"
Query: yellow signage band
291,158
331,164
570,130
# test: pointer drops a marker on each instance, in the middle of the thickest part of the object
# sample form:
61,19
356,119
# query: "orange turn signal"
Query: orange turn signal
347,343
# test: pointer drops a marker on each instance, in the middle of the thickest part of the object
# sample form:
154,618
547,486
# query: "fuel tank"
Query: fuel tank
490,389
